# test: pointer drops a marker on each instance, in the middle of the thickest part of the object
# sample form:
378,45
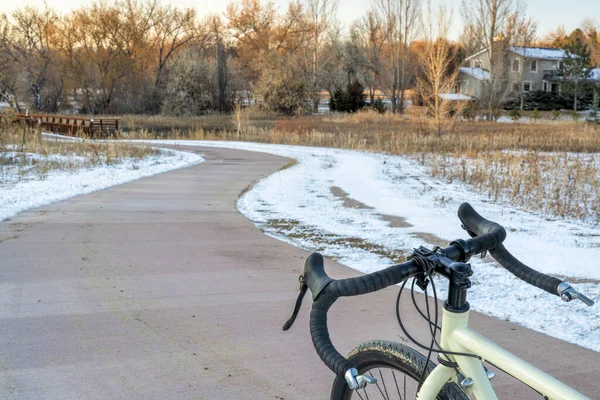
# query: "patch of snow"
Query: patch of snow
61,185
456,97
399,186
539,53
478,73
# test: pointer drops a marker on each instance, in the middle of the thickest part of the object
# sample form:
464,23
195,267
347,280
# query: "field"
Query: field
548,166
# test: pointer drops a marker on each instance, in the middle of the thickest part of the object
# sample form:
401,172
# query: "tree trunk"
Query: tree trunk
576,96
221,78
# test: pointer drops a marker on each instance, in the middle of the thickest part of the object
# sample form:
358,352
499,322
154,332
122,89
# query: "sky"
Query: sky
549,13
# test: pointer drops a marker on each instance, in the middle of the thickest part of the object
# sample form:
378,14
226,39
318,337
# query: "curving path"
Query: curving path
160,289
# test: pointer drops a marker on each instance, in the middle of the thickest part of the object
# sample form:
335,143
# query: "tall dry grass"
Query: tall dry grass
26,154
547,166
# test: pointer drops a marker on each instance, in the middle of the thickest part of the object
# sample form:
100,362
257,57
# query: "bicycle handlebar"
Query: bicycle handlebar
350,287
486,236
477,225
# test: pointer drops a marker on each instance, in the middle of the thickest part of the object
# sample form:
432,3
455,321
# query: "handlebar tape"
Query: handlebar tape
525,273
490,236
348,287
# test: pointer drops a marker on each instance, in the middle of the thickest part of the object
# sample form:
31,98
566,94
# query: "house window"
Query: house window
516,87
533,66
515,65
554,88
555,64
476,63
527,86
545,85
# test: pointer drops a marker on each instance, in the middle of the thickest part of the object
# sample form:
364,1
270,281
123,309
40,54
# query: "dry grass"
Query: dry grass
545,166
27,155
561,184
163,126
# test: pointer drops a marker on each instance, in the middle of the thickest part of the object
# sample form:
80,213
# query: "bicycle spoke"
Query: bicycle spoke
383,383
358,393
397,388
378,387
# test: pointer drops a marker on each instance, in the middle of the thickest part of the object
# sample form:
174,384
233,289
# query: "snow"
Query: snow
478,73
539,53
17,195
297,206
595,74
456,97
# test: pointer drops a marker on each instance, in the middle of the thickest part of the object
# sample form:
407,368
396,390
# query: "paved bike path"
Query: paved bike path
161,289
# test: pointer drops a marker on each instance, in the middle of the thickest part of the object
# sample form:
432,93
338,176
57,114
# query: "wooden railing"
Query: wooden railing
70,125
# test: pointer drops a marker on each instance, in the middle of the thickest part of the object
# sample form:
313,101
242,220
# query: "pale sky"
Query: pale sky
549,13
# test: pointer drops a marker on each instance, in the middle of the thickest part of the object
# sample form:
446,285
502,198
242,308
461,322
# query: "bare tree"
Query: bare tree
489,20
469,40
401,20
439,74
172,30
27,38
371,36
321,16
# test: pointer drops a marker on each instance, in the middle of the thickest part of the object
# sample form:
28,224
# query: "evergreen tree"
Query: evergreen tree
576,64
350,100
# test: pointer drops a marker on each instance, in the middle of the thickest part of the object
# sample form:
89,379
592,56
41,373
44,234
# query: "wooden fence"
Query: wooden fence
96,128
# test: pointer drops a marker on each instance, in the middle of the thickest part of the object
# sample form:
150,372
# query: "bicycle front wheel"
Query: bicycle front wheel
397,369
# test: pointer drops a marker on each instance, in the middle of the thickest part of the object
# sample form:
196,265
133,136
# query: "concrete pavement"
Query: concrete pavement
160,289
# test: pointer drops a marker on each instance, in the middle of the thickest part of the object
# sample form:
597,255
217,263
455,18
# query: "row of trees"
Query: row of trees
143,56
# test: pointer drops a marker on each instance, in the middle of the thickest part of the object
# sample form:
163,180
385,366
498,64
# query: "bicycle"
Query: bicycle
460,373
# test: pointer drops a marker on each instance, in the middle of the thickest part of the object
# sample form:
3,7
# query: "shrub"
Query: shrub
535,114
378,106
515,114
189,90
287,97
350,100
543,101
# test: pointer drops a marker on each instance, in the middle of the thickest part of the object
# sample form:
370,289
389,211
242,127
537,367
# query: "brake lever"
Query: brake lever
567,293
356,381
301,292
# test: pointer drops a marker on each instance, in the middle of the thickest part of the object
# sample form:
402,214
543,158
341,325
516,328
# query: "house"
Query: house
527,69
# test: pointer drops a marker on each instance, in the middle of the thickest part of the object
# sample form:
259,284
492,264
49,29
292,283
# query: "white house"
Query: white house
528,69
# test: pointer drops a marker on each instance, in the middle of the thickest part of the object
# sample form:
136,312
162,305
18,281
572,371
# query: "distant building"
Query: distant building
529,69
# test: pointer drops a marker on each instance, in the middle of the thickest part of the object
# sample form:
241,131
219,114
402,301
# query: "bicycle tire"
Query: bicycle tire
396,357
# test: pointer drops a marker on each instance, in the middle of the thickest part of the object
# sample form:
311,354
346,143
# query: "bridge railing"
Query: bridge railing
70,125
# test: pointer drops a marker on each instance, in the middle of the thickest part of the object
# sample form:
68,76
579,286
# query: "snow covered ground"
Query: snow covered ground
17,194
367,210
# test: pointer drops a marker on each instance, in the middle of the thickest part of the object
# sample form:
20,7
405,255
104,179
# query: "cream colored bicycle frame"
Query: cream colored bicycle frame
457,337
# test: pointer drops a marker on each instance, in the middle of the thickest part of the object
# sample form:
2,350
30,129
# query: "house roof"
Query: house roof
539,52
595,74
477,73
480,52
530,52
